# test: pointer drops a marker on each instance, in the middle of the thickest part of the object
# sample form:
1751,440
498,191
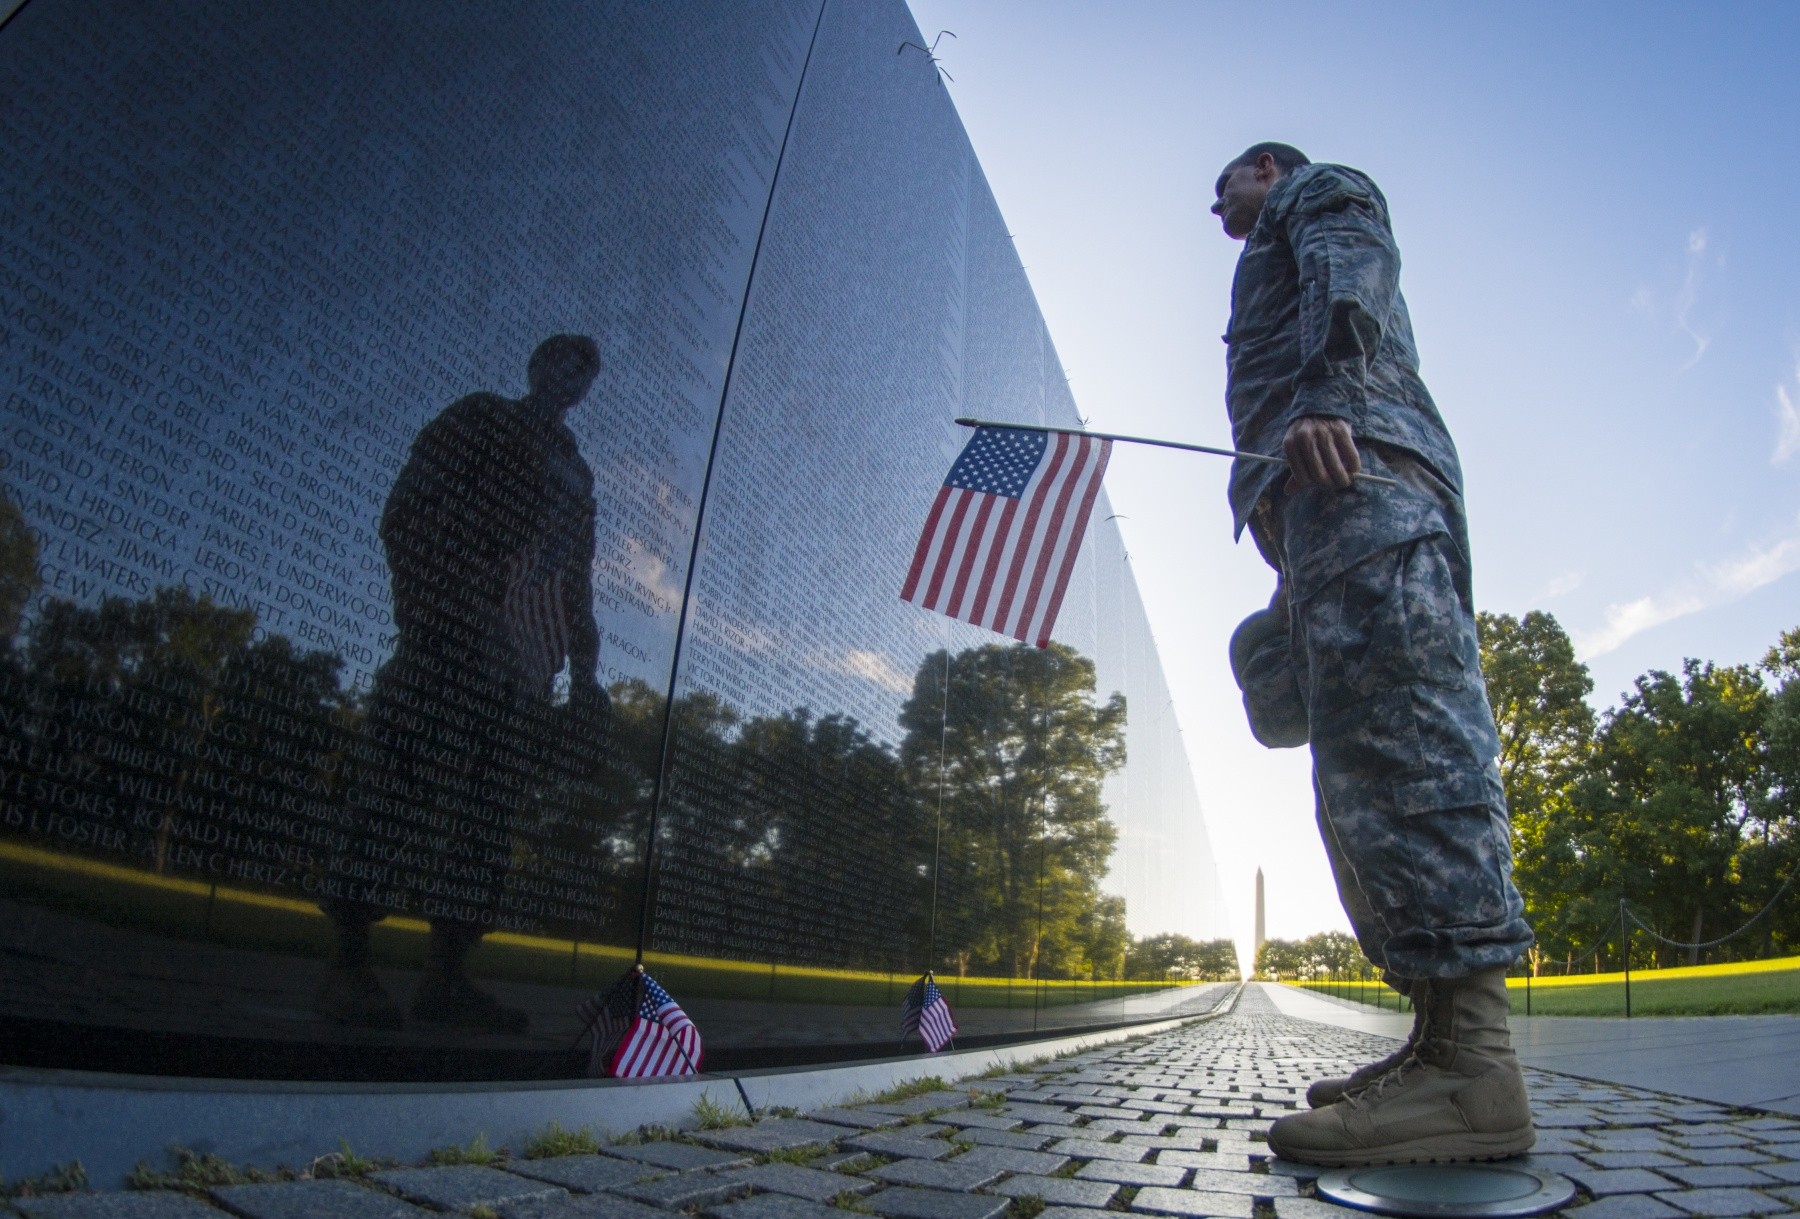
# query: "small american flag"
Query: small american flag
925,1012
1003,533
639,1031
535,624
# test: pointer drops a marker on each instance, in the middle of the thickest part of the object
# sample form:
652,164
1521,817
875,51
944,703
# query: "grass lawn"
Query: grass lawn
189,909
1735,989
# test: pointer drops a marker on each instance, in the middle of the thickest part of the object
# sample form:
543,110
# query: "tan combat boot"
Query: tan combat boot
1460,1096
1329,1091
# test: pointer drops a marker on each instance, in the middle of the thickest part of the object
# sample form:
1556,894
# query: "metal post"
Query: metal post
1625,936
1528,988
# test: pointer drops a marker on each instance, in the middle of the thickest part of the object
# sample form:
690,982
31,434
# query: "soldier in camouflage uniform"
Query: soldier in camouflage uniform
1368,652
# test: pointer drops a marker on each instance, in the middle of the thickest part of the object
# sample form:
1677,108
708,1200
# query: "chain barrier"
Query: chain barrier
1657,935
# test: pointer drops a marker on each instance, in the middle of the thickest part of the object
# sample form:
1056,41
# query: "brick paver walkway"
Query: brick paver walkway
1170,1125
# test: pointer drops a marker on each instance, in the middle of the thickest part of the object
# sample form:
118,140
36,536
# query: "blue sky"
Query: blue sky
1598,207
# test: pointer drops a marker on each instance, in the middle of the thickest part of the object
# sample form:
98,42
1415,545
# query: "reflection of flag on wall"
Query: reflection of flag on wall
535,624
639,1031
1005,528
925,1012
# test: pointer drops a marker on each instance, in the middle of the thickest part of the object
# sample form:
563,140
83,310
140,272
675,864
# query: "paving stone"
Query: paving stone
1313,1208
1059,1191
460,1186
1123,1172
1626,1206
1108,1126
773,1206
1071,1212
930,1174
813,1183
576,1206
136,1204
1632,1159
589,1174
1603,1181
1024,1141
1261,1184
1218,1161
1010,1159
1719,1174
1722,1155
772,1134
1724,1202
1625,1140
687,1189
899,1145
982,1119
1158,1201
307,1199
842,1161
677,1157
1091,1149
902,1202
1781,1170
1038,1113
930,1102
861,1119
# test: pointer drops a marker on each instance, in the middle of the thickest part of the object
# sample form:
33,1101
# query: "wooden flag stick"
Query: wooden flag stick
1163,444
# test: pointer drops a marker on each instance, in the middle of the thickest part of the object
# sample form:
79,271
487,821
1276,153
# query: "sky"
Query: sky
1596,207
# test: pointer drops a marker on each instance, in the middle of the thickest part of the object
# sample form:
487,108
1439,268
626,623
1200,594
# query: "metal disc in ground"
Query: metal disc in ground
1493,1191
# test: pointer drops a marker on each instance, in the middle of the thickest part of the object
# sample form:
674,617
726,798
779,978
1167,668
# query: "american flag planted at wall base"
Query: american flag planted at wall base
1004,531
925,1012
639,1031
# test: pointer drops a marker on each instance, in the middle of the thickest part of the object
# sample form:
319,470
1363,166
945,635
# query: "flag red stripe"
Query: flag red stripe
1037,540
1079,528
1029,529
1053,535
991,567
953,538
925,539
971,546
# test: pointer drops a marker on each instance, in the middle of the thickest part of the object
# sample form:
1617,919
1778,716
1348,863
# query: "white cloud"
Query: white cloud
1787,422
1568,582
1689,296
1712,585
874,667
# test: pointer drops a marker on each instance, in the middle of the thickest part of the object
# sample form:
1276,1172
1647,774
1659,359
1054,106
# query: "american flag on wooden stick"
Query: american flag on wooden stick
925,1012
639,1031
1004,531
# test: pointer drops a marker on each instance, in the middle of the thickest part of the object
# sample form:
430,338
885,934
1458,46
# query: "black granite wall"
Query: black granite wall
459,471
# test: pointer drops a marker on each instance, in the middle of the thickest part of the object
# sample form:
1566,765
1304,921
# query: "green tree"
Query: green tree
1538,690
1014,744
1668,803
1181,958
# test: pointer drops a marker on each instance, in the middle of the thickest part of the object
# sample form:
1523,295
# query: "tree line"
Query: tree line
1683,800
977,844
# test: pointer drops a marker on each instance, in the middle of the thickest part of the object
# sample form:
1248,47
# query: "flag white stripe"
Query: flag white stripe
945,538
982,545
1067,538
1045,537
1044,498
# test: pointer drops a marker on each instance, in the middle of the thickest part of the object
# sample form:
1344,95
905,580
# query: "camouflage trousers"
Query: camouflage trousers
1378,668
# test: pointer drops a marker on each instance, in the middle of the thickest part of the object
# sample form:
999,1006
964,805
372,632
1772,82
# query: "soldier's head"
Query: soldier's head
561,370
1245,183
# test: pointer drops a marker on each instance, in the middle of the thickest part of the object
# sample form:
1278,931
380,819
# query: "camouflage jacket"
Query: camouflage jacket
1318,327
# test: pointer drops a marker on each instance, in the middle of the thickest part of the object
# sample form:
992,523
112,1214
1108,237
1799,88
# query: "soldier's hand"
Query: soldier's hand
1321,452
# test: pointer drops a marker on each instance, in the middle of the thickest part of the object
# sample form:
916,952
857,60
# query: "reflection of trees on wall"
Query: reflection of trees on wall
1025,836
788,837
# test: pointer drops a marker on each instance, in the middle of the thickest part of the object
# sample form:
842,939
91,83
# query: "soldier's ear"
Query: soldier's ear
1266,168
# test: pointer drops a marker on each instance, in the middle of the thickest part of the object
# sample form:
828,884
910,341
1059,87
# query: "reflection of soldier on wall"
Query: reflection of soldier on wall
489,534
